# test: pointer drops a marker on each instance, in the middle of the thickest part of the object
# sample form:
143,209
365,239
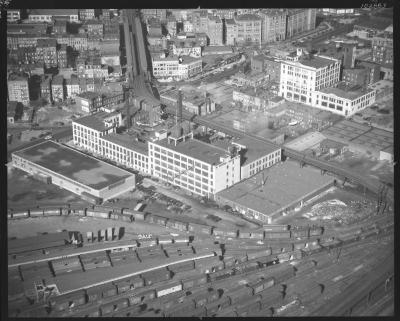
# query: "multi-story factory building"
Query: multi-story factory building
215,31
256,156
86,14
193,165
382,48
178,68
46,52
47,15
299,79
87,130
125,150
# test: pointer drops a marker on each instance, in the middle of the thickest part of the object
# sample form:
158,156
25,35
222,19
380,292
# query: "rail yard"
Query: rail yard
127,261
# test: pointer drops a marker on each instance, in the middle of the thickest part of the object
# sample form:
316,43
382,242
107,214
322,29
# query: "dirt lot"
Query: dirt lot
364,164
336,206
47,116
32,226
381,117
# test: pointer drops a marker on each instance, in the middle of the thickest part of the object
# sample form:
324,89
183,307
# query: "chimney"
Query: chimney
179,116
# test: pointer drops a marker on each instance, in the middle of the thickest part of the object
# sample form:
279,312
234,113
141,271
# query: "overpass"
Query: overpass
138,74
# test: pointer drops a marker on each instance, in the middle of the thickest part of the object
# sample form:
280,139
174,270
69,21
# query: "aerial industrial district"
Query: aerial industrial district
200,162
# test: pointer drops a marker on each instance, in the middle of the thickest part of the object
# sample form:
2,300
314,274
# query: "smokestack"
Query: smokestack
179,118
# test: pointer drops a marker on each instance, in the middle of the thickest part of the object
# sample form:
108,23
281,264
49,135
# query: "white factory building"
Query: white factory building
193,165
89,129
314,80
176,68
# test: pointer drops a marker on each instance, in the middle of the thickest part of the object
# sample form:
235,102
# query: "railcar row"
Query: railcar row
136,294
128,215
215,270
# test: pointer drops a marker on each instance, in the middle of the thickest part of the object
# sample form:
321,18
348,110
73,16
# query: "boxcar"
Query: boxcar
194,281
55,211
21,214
239,294
277,235
35,213
168,289
275,227
180,267
256,254
156,276
63,302
263,284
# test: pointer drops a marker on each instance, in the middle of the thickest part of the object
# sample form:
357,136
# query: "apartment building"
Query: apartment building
300,79
171,26
62,61
200,21
94,28
18,89
271,66
72,86
215,31
224,13
193,165
231,32
86,14
249,29
57,88
45,88
188,26
300,20
125,150
177,68
382,48
13,15
89,101
59,27
273,25
87,130
46,52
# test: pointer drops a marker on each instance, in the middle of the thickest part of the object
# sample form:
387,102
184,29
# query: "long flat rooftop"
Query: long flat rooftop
285,184
74,165
255,149
316,62
95,121
347,94
127,141
197,149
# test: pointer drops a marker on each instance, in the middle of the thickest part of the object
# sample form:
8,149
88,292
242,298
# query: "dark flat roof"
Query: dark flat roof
197,149
74,165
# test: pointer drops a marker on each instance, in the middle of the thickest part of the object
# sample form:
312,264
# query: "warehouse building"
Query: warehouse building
74,171
275,191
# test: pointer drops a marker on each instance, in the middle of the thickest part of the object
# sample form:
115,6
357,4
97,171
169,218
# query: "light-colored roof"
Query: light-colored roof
95,121
127,141
285,184
196,149
316,62
248,17
347,94
255,149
